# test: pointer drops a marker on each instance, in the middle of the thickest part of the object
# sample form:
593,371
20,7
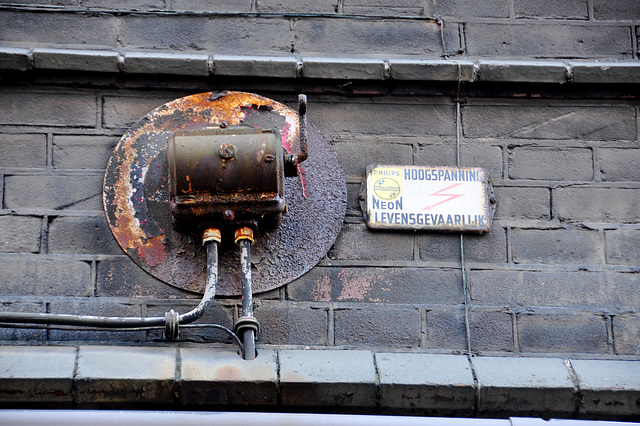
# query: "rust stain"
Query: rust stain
153,252
228,373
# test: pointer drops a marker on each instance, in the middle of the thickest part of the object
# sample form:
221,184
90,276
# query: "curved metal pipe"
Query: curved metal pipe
126,322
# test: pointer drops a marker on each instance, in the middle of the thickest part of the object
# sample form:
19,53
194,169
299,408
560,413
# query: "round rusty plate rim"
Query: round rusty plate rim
135,197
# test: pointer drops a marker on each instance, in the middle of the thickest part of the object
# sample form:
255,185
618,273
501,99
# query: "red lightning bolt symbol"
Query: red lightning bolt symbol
440,194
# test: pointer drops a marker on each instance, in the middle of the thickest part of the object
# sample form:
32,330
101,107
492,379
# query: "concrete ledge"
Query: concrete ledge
523,71
431,384
166,63
252,66
399,69
328,378
431,70
76,60
320,380
14,59
343,69
526,386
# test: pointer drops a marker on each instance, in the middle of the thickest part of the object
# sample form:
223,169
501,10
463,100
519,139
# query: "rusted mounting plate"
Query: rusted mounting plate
136,197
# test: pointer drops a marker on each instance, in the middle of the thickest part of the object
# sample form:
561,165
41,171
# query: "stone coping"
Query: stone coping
318,380
353,68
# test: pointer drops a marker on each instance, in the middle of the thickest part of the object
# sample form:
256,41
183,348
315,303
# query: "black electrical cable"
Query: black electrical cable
127,322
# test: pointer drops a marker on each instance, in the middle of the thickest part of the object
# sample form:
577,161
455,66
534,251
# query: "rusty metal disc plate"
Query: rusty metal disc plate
136,197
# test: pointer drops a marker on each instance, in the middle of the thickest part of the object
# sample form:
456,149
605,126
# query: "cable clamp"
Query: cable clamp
171,325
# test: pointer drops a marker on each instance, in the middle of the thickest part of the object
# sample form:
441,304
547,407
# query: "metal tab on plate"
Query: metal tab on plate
455,199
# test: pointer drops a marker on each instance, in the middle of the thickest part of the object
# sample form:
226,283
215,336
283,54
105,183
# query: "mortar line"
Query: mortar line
74,380
1,191
610,341
331,327
423,327
595,155
590,10
634,41
44,235
516,335
49,151
378,386
278,381
576,385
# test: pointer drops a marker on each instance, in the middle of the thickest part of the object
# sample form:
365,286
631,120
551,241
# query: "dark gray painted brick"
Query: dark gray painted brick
397,327
470,8
12,58
619,164
99,307
378,285
291,325
387,38
564,9
20,234
487,157
597,204
120,112
537,121
557,289
383,8
229,34
123,278
293,6
209,5
522,202
353,192
491,247
551,164
55,192
622,10
47,109
59,28
356,156
623,246
21,334
125,4
75,60
489,331
23,150
557,246
376,118
554,41
46,2
82,152
82,235
32,276
563,334
357,242
437,155
446,329
626,334
216,314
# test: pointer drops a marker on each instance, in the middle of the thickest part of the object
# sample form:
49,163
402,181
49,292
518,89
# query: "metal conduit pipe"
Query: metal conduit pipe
171,320
247,326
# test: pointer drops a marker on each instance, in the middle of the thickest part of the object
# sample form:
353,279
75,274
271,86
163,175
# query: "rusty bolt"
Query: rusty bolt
227,151
493,200
228,214
223,125
269,158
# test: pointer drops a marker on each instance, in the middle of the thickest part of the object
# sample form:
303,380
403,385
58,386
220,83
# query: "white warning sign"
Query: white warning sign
427,198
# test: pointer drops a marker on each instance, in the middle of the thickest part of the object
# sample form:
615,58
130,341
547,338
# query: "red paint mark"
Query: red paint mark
340,273
440,194
355,288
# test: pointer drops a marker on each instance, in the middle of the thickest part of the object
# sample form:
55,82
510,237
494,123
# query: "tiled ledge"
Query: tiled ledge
318,380
404,69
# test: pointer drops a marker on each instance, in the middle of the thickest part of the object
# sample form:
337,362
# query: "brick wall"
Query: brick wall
558,274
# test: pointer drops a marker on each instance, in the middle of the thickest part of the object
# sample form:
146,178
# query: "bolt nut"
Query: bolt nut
269,158
227,151
228,214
